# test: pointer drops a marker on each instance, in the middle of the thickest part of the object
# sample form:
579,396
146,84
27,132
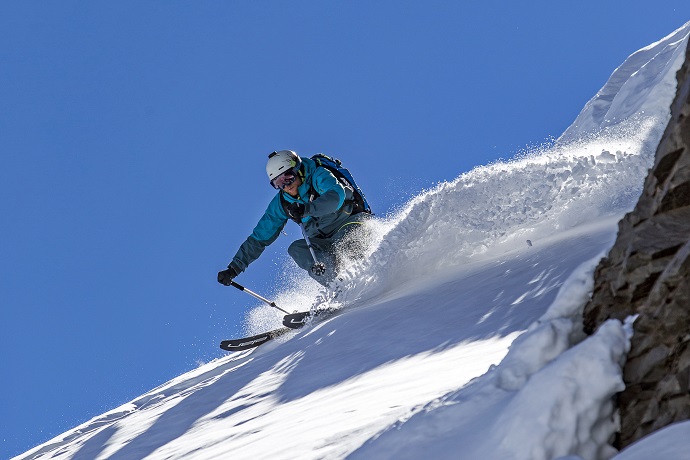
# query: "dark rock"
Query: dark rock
647,273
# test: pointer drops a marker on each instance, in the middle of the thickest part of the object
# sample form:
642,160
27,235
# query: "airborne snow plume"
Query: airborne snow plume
457,338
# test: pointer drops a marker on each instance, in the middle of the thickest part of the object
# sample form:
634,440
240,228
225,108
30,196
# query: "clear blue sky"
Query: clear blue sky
133,139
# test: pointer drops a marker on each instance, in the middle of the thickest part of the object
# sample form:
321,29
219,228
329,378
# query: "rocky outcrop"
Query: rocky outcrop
647,273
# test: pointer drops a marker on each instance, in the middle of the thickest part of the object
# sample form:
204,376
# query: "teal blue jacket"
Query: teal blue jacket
325,212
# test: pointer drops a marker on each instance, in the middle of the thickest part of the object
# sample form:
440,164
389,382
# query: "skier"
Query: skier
315,199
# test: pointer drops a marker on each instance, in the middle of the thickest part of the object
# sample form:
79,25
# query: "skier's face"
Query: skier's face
292,188
287,178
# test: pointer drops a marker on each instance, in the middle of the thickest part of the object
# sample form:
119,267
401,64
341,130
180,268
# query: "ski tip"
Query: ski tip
243,344
253,341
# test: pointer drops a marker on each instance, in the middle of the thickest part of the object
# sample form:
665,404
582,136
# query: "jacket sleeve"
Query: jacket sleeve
266,232
331,194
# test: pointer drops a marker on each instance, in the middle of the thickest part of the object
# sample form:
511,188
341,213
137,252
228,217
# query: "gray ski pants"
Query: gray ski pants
329,251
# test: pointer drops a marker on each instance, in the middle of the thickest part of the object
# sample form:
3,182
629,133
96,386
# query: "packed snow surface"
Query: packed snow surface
459,336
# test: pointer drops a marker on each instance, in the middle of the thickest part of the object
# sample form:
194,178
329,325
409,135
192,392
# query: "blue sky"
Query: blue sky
134,137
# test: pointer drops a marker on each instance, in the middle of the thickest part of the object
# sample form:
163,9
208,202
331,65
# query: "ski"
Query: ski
290,322
296,320
254,341
299,319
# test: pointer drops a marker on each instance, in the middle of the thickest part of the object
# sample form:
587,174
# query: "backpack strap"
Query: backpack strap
357,206
313,194
334,165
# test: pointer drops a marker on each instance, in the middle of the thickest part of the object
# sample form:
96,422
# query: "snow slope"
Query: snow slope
459,338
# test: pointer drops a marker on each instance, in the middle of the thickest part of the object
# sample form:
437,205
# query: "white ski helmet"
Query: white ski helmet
281,161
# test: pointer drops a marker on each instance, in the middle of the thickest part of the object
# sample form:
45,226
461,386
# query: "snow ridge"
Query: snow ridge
643,84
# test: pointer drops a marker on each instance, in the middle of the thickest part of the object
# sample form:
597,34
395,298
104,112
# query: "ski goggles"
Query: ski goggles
285,179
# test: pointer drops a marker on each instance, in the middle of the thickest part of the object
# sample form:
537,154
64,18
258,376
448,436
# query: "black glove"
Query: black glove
295,211
227,275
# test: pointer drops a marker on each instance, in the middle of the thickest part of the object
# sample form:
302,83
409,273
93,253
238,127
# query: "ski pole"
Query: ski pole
318,268
257,296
